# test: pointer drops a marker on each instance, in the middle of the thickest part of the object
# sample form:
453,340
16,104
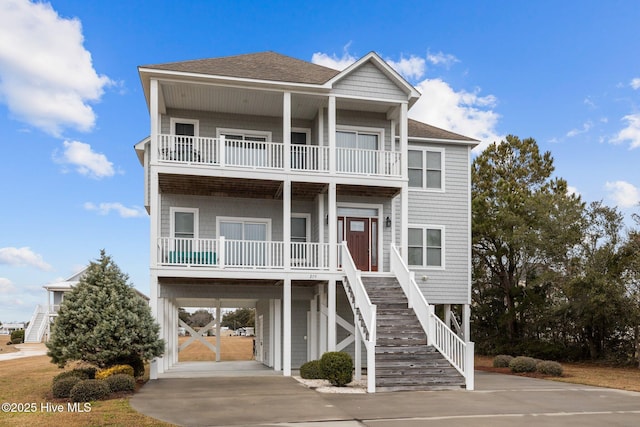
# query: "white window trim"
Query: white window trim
194,122
424,168
266,221
308,223
196,220
367,130
244,132
424,228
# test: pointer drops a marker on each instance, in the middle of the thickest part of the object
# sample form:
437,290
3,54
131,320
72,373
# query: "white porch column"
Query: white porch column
155,121
313,328
331,122
286,333
333,228
331,315
286,129
323,319
218,322
277,335
466,322
357,344
286,222
153,299
404,197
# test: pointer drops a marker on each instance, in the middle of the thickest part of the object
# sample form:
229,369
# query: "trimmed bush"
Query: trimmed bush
121,382
502,361
88,390
62,387
548,367
117,369
311,370
17,337
89,371
522,364
337,367
69,374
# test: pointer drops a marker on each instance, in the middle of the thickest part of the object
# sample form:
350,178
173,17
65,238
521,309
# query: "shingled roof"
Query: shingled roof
259,66
422,130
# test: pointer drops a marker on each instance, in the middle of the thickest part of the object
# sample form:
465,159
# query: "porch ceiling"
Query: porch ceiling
366,191
236,187
225,99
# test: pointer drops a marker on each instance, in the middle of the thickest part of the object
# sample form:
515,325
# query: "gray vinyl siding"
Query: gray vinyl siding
209,208
209,122
359,119
449,209
368,80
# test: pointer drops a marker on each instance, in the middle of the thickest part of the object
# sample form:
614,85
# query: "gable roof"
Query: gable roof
419,130
270,66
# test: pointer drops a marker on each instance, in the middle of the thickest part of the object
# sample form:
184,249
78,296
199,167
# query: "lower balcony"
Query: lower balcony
241,254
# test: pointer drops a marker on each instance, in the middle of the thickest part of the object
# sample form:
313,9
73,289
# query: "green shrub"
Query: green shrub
502,361
88,390
118,369
121,382
17,337
548,367
522,364
311,370
89,371
62,387
337,367
69,374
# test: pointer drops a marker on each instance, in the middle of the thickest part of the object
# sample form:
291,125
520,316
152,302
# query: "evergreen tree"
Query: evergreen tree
103,321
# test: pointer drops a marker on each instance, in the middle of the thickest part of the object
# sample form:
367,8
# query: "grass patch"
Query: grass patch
231,348
580,373
4,348
29,379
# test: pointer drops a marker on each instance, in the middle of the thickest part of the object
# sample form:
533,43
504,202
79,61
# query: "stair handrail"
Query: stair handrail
362,301
32,325
367,311
43,324
439,335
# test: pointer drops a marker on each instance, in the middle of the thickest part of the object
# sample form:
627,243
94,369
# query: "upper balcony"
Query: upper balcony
262,155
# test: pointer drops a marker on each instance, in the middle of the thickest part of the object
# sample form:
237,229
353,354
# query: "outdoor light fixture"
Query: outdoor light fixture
387,222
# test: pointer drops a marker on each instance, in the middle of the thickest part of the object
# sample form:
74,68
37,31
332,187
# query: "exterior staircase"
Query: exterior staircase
35,330
403,359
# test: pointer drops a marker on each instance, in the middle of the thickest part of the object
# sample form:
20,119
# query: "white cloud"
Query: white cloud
333,61
22,257
635,83
466,113
6,286
585,128
630,133
624,194
123,211
571,190
441,58
47,77
410,68
86,161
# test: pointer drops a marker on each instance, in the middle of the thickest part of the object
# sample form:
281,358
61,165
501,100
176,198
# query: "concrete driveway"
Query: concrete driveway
499,400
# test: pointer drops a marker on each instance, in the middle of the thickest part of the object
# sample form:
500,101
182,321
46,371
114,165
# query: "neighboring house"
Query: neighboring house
308,194
44,315
7,328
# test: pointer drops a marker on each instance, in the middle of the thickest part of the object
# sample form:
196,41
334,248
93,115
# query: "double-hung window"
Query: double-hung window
426,246
426,170
184,233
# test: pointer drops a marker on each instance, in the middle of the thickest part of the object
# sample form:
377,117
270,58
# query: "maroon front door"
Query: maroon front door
357,232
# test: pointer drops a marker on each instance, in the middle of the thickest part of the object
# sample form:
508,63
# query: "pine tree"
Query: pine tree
103,321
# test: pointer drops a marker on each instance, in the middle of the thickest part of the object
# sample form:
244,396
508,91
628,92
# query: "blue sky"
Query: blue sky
71,104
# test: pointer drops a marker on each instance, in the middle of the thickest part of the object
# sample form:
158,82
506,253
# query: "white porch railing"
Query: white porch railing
225,253
454,349
360,303
38,323
222,152
368,162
